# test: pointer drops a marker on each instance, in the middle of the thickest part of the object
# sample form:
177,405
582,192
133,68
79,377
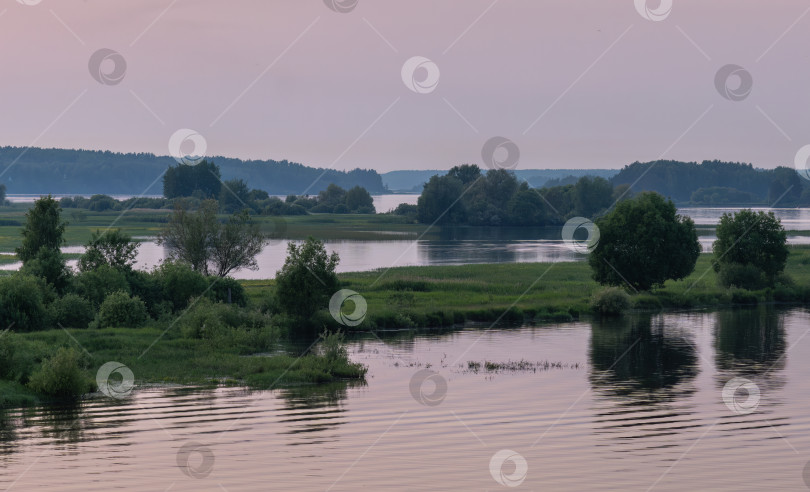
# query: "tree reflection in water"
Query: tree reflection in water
642,358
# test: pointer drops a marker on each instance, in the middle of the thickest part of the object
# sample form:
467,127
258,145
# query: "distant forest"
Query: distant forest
716,183
63,171
413,181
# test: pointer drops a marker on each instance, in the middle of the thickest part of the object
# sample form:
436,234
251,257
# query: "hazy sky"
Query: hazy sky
577,84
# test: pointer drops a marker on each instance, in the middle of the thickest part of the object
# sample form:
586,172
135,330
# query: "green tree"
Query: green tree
440,201
44,228
112,248
2,195
466,173
592,195
644,242
307,280
750,241
42,238
202,180
358,199
236,244
234,196
199,239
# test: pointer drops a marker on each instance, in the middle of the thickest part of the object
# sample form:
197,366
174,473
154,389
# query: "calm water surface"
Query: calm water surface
636,404
454,245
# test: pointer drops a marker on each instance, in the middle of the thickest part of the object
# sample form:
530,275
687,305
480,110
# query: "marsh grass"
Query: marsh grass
432,296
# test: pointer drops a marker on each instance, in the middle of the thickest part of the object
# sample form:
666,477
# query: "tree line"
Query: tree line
67,171
717,183
466,196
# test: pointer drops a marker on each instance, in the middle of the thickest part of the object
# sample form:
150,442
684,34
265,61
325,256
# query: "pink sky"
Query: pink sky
291,79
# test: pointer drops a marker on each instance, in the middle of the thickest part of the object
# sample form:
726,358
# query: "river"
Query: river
454,245
632,404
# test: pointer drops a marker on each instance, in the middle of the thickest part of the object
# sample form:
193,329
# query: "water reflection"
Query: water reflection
750,343
641,358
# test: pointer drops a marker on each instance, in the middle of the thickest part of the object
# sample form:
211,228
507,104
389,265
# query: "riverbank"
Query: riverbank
161,354
407,297
147,223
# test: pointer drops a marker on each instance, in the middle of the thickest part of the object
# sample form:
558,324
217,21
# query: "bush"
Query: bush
147,286
96,285
22,304
219,291
71,311
121,310
611,301
61,375
8,347
307,280
229,325
748,277
180,283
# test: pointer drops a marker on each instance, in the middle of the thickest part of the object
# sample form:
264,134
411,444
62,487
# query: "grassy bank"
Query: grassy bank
445,295
148,223
156,357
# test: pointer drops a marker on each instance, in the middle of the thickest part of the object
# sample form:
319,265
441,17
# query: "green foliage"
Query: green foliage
679,180
611,301
95,285
44,228
644,242
8,348
71,311
228,324
49,264
333,347
220,287
307,280
61,375
119,310
234,196
359,200
721,195
201,180
751,249
440,201
201,240
112,248
465,196
22,303
180,283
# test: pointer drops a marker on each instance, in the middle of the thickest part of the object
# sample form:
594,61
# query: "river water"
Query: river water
454,245
631,404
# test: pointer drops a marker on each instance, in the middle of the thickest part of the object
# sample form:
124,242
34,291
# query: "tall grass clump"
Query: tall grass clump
61,375
612,301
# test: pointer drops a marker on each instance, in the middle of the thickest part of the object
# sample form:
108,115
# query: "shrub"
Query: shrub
121,310
748,277
219,290
61,375
22,303
8,346
749,241
229,325
148,287
180,283
96,285
71,311
307,280
611,301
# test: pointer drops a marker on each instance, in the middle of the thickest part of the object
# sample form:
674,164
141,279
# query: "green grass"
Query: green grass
445,295
158,358
148,223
